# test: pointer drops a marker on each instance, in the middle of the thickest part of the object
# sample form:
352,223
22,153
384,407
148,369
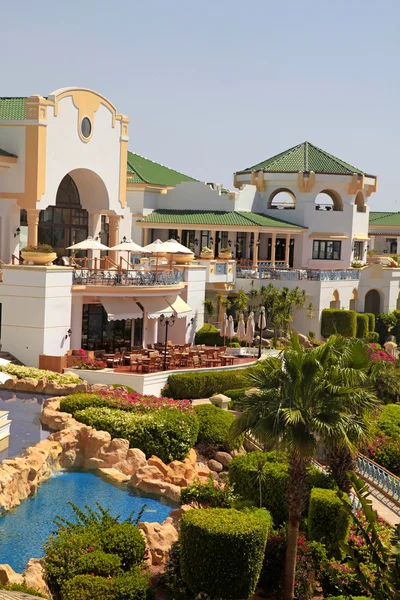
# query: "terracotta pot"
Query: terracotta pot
39,258
225,255
182,259
206,255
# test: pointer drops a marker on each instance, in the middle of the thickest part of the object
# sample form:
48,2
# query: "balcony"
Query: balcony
285,274
131,277
219,271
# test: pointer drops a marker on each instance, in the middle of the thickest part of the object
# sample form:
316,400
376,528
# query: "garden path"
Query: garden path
384,506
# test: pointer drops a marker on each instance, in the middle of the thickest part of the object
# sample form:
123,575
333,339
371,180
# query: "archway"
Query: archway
328,200
282,199
372,303
360,202
335,300
353,300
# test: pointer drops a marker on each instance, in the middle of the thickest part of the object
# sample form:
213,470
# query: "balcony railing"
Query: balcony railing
283,274
131,277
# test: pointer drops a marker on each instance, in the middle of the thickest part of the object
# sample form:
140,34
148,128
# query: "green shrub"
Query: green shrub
222,551
214,427
125,540
205,385
134,585
208,495
328,522
88,587
209,335
21,371
373,337
99,563
362,326
237,397
342,322
371,322
244,476
386,452
172,577
71,404
167,433
389,421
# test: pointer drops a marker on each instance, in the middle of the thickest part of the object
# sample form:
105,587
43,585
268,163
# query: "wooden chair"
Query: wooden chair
133,362
196,361
115,361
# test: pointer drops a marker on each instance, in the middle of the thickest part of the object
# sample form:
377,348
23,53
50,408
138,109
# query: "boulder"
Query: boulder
8,575
147,472
304,341
157,462
95,441
224,458
159,539
27,384
156,486
34,576
214,465
177,513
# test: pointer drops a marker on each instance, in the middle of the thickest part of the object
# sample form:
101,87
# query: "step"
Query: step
4,429
4,415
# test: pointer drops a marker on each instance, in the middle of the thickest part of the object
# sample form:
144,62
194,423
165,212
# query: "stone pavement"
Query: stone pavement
4,595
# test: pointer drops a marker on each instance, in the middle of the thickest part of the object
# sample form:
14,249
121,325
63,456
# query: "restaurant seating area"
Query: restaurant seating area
177,356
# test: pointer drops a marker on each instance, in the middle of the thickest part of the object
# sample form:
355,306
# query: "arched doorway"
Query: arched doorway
335,300
372,302
353,300
66,223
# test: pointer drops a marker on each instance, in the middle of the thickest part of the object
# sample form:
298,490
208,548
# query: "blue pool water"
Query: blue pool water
24,529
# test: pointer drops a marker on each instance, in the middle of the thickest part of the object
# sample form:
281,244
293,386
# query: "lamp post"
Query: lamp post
262,325
166,322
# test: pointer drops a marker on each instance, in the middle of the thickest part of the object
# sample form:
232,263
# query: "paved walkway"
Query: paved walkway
385,507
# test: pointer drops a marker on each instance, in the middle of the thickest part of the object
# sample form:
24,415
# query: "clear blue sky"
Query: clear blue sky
215,86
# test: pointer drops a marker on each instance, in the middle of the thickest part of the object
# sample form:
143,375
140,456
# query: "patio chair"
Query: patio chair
133,362
196,361
115,361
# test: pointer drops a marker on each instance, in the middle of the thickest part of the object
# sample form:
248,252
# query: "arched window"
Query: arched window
328,200
353,300
360,202
372,302
282,199
335,300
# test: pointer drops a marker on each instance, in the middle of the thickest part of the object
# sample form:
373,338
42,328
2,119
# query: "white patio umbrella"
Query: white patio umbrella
175,247
88,244
250,329
224,327
231,328
154,248
241,331
129,247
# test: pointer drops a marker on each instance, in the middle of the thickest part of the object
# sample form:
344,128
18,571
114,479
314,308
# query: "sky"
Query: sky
215,86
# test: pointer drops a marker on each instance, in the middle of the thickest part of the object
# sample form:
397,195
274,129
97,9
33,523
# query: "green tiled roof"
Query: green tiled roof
304,157
5,153
143,170
215,217
389,219
12,108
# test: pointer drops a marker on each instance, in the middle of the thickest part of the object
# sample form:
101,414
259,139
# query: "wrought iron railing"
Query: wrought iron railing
285,274
131,277
380,477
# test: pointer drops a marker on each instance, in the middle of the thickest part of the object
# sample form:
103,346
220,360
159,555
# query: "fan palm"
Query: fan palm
299,399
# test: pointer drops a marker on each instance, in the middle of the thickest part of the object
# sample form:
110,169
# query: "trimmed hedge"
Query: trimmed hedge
371,322
362,326
274,487
337,321
389,421
328,522
214,427
205,385
209,335
237,397
222,551
99,563
167,433
129,586
71,404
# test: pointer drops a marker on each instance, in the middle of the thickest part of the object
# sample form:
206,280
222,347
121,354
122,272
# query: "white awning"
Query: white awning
167,306
181,309
121,308
156,306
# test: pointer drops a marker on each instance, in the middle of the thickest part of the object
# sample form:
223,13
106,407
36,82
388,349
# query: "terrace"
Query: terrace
282,273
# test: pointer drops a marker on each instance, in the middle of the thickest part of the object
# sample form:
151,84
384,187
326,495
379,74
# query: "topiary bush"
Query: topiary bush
210,336
222,551
371,322
71,404
389,421
328,522
214,427
134,585
362,326
205,385
99,563
125,540
88,587
337,321
167,433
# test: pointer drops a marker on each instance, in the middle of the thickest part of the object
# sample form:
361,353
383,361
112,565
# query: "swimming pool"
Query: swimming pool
24,529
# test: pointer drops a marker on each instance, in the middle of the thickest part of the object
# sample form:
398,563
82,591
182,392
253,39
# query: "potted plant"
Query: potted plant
182,259
225,253
42,254
206,253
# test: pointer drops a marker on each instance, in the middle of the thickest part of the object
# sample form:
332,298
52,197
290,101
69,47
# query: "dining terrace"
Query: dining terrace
282,273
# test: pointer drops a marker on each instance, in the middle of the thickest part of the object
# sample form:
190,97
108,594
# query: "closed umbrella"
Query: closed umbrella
250,329
262,323
231,328
224,327
241,331
88,244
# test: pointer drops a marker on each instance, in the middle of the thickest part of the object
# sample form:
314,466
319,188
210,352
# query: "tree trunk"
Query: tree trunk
340,461
297,495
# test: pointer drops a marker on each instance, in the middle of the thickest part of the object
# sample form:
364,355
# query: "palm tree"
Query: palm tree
209,309
301,398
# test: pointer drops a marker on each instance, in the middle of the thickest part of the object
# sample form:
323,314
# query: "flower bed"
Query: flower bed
22,372
30,379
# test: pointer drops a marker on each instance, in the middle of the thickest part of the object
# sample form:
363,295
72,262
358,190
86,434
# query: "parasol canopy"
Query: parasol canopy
224,326
250,329
156,247
241,331
231,328
175,247
88,244
262,323
128,246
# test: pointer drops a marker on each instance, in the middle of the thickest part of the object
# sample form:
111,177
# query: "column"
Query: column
94,230
150,330
372,242
179,234
398,245
273,248
76,322
145,236
33,223
255,248
287,249
113,221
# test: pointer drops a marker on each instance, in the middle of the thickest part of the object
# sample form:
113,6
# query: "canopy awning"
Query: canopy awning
181,309
118,309
325,235
362,237
167,306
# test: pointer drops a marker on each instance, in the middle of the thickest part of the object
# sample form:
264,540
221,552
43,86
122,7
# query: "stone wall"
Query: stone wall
43,386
